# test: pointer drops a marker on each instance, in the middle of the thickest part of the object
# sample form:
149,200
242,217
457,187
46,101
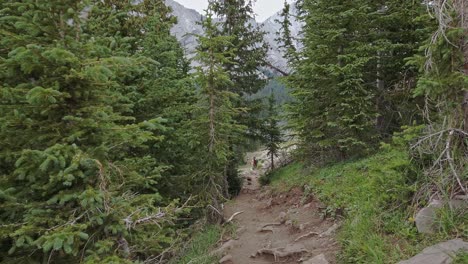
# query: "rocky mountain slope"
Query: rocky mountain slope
187,25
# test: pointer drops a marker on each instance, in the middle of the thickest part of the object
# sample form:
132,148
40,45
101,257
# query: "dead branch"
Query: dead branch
232,217
277,69
155,218
450,161
446,152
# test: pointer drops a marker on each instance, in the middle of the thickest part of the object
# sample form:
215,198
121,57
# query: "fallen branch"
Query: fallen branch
232,217
153,218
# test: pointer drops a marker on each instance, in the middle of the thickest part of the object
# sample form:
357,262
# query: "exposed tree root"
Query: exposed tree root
232,217
271,224
277,253
306,236
265,229
329,232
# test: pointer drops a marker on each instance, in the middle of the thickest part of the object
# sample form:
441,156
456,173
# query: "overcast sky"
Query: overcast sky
263,8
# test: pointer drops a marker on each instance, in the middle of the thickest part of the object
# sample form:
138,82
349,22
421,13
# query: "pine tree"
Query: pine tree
272,136
238,21
335,105
77,181
216,121
351,76
244,69
285,40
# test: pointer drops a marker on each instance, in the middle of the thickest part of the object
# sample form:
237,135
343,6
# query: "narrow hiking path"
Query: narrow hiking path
277,228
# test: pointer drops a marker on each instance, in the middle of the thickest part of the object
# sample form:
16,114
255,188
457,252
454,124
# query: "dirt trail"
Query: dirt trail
290,217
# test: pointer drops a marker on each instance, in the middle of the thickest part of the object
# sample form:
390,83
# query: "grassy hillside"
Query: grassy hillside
373,197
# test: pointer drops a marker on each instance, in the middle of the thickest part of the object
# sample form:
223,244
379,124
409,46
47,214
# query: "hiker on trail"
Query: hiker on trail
254,163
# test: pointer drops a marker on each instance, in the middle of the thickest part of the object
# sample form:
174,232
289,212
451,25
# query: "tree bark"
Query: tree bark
272,161
464,24
212,124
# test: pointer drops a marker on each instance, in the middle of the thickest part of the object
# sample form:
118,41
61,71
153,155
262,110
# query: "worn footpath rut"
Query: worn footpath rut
276,228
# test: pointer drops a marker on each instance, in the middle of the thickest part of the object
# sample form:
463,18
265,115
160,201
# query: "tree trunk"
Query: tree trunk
272,157
212,123
464,24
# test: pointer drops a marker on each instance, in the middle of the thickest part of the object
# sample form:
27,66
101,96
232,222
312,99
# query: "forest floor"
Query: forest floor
277,227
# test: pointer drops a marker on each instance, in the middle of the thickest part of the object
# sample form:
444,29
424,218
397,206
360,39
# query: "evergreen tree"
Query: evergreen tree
244,69
272,136
335,108
238,21
216,121
351,77
285,40
77,182
443,82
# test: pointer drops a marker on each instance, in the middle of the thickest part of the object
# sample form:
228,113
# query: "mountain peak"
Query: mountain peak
188,25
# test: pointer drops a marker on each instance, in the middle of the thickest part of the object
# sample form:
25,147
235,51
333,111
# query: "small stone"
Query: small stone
224,248
289,223
226,259
282,217
309,205
425,218
320,259
441,253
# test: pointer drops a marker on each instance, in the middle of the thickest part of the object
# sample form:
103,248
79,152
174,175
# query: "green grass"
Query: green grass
284,178
199,248
461,259
374,197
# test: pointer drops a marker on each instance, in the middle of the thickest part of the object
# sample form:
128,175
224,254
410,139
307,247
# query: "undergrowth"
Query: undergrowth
202,243
462,258
199,248
374,196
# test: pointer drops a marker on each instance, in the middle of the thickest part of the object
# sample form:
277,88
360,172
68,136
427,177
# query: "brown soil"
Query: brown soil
291,216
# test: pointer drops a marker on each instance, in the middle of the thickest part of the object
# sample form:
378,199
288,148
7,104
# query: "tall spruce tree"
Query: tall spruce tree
335,109
238,21
216,119
244,69
351,76
272,136
77,182
285,40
